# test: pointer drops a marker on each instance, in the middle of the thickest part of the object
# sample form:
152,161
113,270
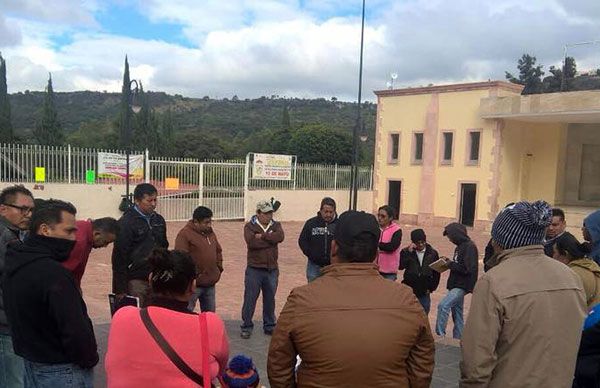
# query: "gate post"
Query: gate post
147,166
201,185
246,178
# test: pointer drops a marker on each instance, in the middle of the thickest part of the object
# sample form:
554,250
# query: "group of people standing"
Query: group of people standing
353,324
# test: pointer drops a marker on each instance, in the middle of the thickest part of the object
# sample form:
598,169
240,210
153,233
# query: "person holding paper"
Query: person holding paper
415,261
464,268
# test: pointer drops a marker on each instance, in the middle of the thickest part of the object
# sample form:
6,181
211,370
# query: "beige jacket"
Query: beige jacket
352,328
589,272
524,323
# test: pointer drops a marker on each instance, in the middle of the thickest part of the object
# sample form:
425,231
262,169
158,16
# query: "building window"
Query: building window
447,145
418,148
474,147
394,148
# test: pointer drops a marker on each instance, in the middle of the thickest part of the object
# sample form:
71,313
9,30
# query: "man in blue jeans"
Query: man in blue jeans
464,267
315,239
47,316
262,236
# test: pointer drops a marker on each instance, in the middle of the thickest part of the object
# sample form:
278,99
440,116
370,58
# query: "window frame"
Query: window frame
469,143
390,159
413,154
443,160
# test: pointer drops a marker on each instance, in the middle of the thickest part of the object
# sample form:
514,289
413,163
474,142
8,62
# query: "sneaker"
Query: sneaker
245,334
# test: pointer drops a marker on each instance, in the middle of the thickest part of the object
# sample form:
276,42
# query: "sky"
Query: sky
289,48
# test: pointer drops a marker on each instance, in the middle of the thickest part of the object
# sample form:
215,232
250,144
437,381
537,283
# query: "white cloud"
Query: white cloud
254,48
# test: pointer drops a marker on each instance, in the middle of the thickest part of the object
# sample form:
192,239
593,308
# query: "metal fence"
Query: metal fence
68,164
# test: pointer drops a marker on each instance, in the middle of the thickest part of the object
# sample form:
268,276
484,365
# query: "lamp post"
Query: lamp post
358,125
135,107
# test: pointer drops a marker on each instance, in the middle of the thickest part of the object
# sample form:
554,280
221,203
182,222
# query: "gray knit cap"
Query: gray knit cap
522,224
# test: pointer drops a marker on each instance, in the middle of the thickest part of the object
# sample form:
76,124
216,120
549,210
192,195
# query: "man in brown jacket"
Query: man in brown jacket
262,236
200,241
351,327
526,313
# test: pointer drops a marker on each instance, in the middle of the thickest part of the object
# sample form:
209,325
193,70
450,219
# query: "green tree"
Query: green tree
94,134
317,143
530,75
145,128
554,82
285,118
167,132
48,130
6,129
125,110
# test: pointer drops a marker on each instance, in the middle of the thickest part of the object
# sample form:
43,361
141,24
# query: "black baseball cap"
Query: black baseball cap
352,224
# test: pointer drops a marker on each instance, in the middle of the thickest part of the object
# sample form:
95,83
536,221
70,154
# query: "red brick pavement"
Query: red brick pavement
97,280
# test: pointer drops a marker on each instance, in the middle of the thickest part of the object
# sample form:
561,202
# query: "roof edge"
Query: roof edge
462,87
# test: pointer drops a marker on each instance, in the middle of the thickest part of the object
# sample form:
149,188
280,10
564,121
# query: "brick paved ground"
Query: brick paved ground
97,284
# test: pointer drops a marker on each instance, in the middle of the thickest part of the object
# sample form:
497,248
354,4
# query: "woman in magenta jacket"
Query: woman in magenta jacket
134,359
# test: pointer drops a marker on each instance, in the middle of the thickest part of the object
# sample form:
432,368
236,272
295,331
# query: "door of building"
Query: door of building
589,182
394,195
468,196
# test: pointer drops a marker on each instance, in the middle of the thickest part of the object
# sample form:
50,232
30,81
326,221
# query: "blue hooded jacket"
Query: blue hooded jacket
592,224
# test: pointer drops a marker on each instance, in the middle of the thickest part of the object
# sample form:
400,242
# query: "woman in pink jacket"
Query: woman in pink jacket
388,256
135,358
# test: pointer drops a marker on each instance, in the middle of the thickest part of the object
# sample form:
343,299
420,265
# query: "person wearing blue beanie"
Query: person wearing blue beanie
240,373
527,311
591,233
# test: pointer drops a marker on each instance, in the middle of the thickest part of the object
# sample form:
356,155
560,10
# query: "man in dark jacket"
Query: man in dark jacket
556,229
16,206
46,313
315,239
141,230
262,236
200,241
415,261
464,267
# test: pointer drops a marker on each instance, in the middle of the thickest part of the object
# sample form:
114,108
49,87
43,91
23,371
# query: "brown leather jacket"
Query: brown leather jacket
263,251
206,252
352,328
524,324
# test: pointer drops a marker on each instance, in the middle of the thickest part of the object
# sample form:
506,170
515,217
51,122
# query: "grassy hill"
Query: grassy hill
89,118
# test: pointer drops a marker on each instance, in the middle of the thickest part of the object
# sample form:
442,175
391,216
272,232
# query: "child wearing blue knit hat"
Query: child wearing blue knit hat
240,373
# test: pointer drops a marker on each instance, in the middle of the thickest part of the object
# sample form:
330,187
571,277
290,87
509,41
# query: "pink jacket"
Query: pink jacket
135,360
388,261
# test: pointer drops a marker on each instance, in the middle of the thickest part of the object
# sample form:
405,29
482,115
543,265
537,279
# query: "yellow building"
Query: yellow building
461,152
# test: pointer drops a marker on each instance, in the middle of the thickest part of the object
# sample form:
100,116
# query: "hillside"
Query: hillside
89,119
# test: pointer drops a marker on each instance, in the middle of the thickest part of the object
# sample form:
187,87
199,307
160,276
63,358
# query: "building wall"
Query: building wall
580,135
531,154
431,191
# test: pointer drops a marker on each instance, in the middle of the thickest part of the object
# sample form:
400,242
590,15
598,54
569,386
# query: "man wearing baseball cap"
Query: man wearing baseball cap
262,236
526,313
351,327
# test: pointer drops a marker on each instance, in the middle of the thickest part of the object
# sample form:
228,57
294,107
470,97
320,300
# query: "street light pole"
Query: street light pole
358,124
132,107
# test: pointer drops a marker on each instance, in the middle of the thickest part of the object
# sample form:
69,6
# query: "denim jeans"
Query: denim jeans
389,276
313,271
255,280
425,301
454,300
38,375
11,365
206,297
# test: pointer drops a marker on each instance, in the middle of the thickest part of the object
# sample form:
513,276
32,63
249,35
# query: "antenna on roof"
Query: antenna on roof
393,77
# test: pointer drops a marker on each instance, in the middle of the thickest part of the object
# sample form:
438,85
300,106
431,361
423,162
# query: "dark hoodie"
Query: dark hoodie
315,240
464,266
46,313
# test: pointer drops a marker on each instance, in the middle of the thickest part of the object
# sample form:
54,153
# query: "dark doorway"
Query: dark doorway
394,190
468,194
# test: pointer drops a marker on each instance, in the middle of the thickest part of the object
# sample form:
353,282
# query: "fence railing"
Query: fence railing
66,164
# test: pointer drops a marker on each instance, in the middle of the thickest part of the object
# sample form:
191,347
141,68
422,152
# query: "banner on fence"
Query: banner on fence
115,166
270,166
171,183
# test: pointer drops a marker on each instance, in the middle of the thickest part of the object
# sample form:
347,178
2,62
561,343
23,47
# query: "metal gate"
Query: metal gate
184,185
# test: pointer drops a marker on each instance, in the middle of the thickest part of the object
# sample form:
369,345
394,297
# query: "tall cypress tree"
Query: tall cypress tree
124,114
167,132
48,130
6,129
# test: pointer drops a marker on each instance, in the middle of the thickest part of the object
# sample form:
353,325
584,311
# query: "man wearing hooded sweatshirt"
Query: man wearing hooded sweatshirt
315,238
591,234
200,241
48,318
463,275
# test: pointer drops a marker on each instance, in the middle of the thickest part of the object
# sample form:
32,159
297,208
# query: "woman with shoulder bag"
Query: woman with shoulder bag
166,345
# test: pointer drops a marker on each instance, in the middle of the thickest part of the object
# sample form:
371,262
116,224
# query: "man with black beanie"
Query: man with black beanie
415,261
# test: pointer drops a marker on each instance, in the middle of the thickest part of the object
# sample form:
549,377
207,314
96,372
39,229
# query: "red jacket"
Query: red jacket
81,251
133,359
